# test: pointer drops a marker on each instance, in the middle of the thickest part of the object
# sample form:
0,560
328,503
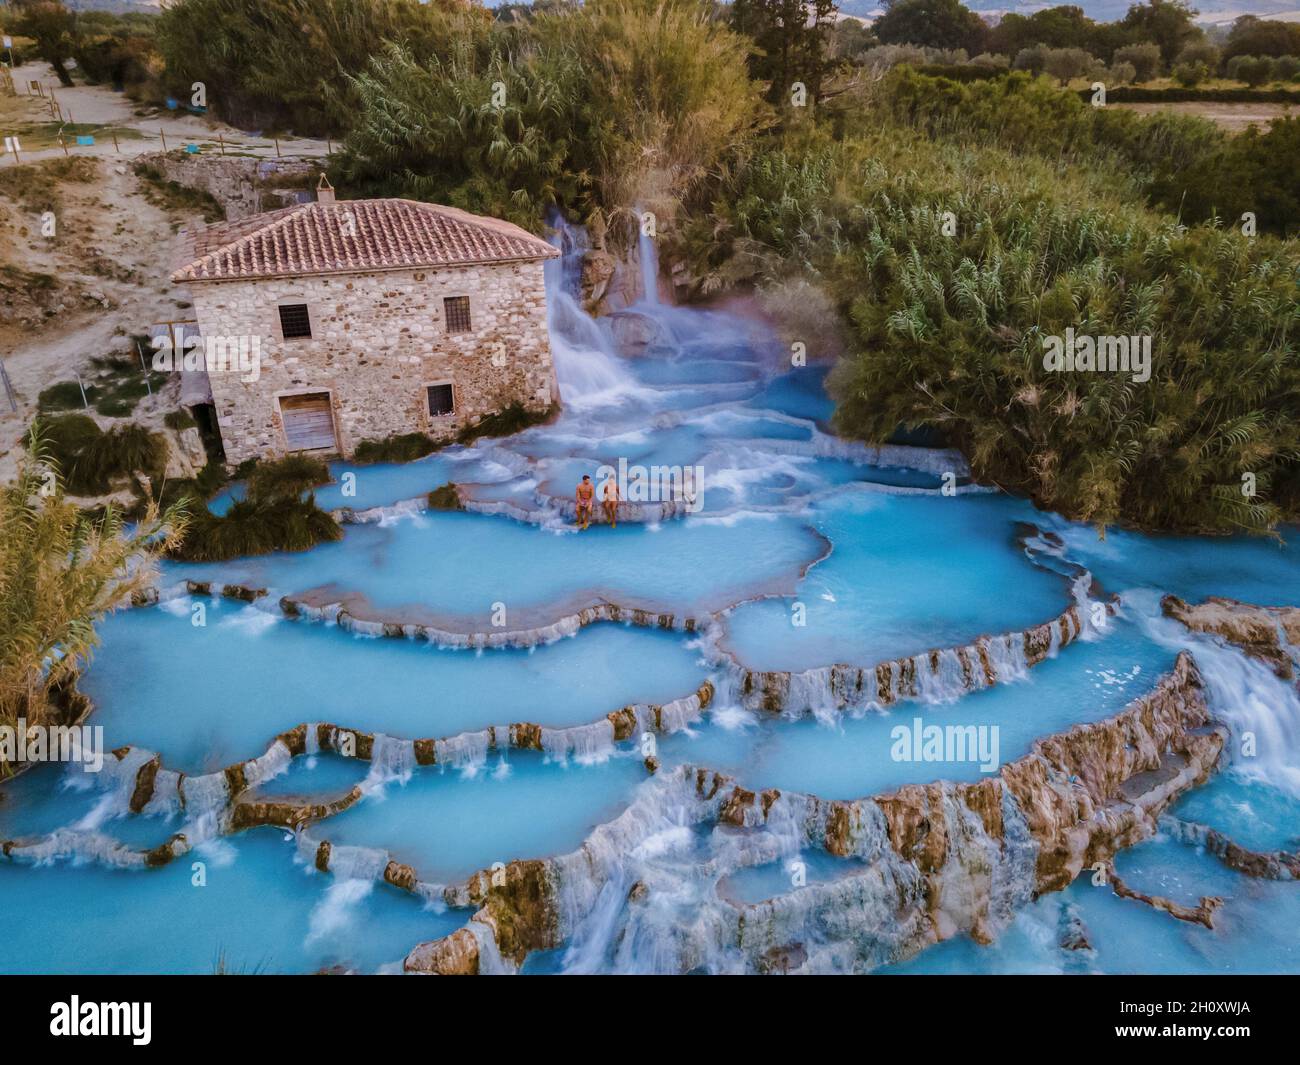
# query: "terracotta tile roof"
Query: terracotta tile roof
352,236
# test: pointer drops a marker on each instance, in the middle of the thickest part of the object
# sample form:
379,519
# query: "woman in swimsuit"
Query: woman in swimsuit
609,494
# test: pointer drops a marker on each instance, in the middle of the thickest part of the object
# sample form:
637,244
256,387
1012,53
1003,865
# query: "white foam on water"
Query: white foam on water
105,809
179,606
338,910
251,620
220,853
733,718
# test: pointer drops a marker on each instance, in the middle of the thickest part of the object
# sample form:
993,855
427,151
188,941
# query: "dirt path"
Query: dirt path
1232,117
97,105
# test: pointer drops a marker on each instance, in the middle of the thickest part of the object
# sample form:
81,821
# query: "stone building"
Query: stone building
327,323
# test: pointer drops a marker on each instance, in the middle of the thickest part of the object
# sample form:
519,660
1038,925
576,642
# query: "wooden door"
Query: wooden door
308,422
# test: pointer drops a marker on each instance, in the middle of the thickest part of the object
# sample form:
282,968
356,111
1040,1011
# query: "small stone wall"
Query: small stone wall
244,187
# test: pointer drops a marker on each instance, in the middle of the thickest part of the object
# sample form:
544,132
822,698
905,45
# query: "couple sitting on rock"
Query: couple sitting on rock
585,497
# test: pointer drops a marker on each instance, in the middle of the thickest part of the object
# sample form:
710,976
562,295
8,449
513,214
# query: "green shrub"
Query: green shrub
510,419
947,327
273,480
1254,70
66,395
969,72
256,527
1144,57
1142,94
1254,171
445,497
273,516
92,461
1189,75
197,490
607,104
405,448
283,64
179,420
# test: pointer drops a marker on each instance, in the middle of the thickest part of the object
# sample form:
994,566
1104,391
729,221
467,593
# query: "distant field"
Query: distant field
1232,117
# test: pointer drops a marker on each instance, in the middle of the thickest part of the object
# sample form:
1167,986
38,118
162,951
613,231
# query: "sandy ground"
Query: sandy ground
1232,117
112,252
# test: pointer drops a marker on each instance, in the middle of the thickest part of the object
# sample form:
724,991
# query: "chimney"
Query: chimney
324,190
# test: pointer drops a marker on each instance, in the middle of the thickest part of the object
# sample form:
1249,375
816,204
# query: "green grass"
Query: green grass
287,478
273,516
197,490
257,527
511,419
405,448
94,462
113,387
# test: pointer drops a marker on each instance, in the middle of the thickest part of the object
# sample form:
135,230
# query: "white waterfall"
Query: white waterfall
1261,710
206,799
648,255
391,759
467,750
586,744
590,373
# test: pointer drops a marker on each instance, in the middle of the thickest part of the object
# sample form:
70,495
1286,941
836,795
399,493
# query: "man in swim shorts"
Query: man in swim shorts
609,497
585,497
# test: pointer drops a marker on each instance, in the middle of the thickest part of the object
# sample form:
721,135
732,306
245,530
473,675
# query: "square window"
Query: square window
440,400
455,310
295,321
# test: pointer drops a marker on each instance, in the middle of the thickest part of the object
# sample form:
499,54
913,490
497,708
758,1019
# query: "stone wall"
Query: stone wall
377,340
243,186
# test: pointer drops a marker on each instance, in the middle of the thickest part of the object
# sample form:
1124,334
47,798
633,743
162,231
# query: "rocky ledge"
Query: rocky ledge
1270,634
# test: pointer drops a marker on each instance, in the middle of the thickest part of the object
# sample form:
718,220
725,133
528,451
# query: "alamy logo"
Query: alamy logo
21,742
1104,354
134,1019
655,484
216,354
947,743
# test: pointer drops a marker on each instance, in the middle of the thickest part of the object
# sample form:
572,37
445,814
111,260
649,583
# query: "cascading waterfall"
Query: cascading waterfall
391,759
584,743
467,751
267,766
589,371
1261,709
641,896
206,798
1007,655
